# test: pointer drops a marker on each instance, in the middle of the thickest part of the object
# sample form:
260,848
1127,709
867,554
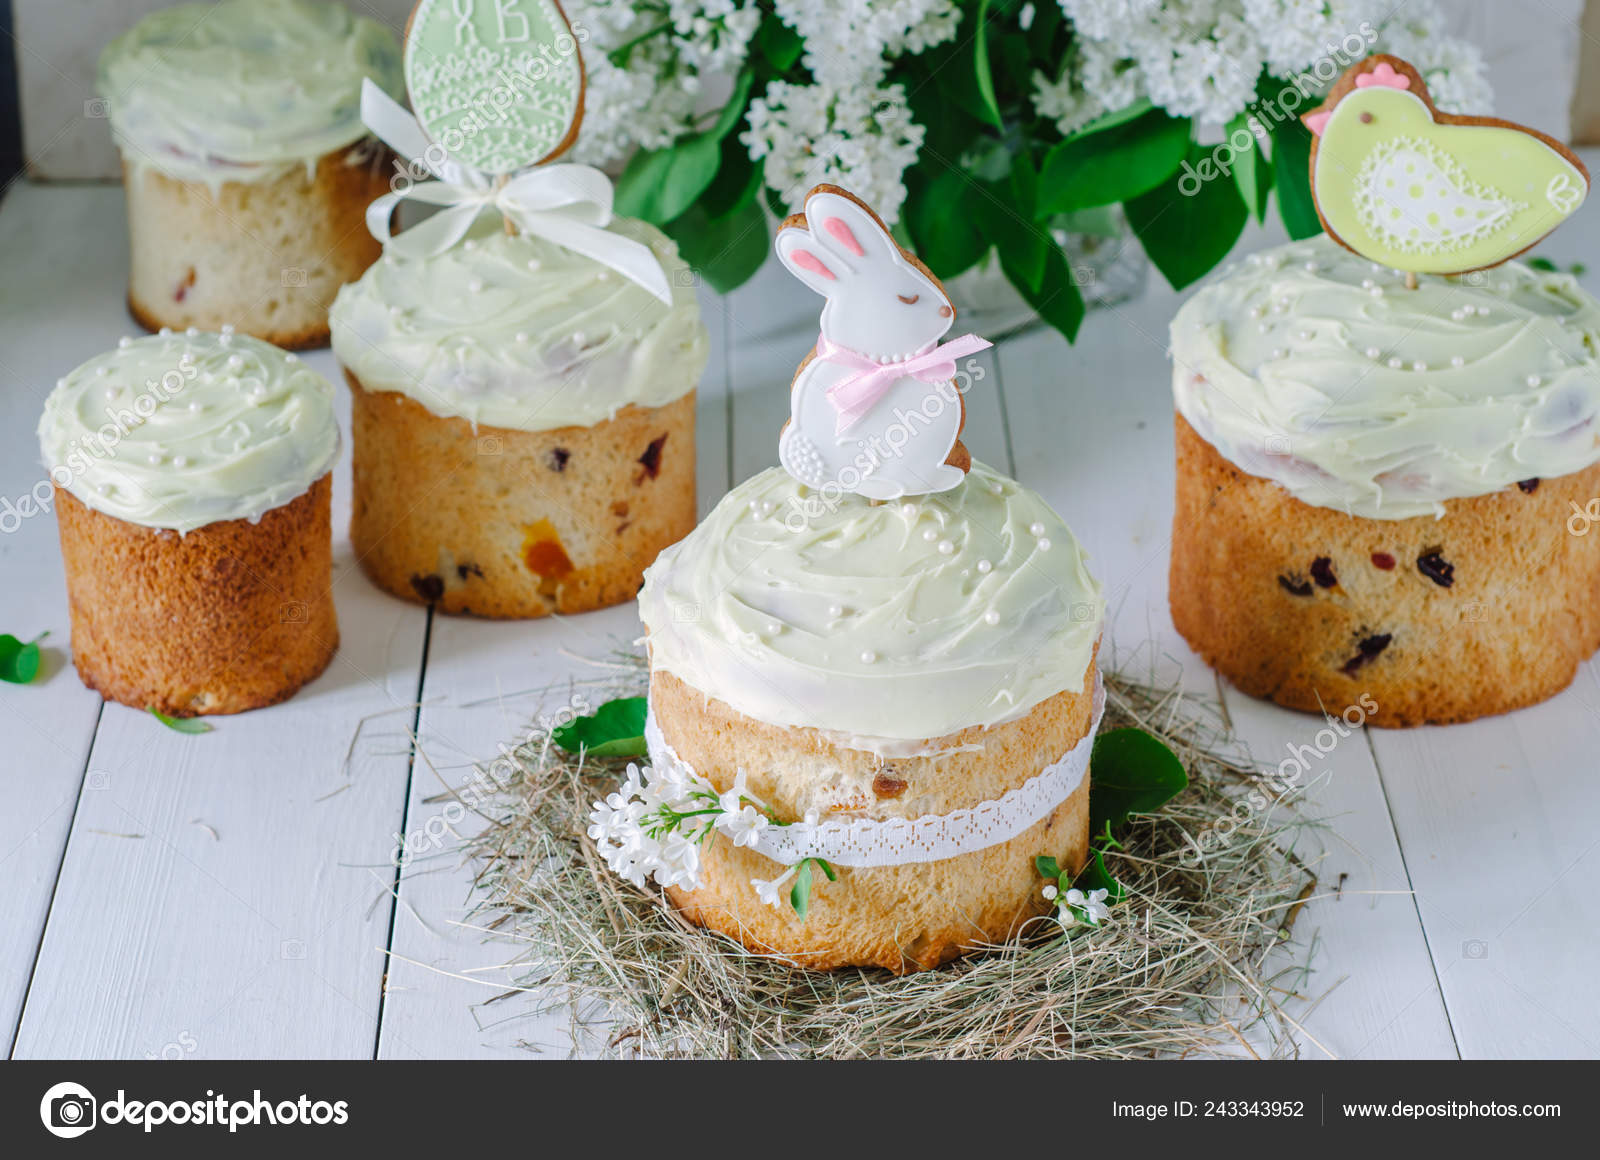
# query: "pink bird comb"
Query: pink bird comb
1385,76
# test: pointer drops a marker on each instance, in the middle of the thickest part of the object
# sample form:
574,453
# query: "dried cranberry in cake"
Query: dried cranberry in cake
1295,585
1383,560
1367,651
887,785
1529,485
651,459
1322,572
1436,568
465,570
429,587
557,459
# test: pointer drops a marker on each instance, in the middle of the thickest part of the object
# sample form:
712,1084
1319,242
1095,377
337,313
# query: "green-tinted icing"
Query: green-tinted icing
183,430
496,83
1430,198
243,90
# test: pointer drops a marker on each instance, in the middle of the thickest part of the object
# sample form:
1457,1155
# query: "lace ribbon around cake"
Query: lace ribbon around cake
901,841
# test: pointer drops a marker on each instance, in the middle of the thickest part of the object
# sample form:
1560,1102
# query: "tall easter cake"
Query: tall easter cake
246,165
1378,464
523,363
192,485
895,699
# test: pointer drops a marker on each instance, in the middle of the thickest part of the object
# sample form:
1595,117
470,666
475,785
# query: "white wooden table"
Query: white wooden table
233,895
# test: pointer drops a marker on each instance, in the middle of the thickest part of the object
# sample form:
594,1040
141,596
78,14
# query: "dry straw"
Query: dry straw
1190,964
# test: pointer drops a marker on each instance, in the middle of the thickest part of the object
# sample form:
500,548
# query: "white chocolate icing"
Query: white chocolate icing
183,430
885,626
243,90
518,332
1313,367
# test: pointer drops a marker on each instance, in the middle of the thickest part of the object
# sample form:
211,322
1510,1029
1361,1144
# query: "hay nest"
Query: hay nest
1193,962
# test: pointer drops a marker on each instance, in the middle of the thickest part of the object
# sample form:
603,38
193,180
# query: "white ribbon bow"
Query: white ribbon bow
568,204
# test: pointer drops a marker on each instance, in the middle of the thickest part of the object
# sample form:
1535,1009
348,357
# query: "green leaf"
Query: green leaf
733,111
189,725
800,895
1095,876
982,76
1058,299
779,43
616,729
1111,120
725,251
1250,172
1291,174
658,185
1047,866
1188,231
1023,245
827,869
943,227
737,182
961,72
1113,164
1130,772
19,662
1544,264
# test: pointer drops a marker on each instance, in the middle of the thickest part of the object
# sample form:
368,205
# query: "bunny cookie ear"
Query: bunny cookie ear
809,261
847,227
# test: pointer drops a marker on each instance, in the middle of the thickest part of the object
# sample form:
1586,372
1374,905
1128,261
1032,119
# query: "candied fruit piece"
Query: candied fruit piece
1383,560
1529,485
543,555
651,459
1367,651
1436,568
557,458
1322,572
430,587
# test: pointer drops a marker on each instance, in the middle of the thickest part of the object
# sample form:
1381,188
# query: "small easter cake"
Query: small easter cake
1378,462
247,166
192,481
895,700
523,363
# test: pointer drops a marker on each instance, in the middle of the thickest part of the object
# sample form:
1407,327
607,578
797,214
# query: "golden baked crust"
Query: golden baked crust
232,616
1250,592
265,257
903,918
503,523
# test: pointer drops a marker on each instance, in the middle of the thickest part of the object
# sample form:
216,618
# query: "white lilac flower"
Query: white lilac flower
772,892
1200,58
1092,905
859,137
1050,893
652,97
732,800
849,43
744,828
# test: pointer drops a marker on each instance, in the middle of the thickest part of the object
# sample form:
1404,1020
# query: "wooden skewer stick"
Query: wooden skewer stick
1411,276
511,226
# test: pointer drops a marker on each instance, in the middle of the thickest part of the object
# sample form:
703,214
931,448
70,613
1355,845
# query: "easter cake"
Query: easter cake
245,162
895,698
192,488
1383,434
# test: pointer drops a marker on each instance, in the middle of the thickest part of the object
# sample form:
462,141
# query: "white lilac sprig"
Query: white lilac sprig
1074,906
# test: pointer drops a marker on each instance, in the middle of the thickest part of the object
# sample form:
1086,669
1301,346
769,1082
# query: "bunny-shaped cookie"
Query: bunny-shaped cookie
873,409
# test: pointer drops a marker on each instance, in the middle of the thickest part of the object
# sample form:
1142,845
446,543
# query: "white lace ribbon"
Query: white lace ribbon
568,204
901,841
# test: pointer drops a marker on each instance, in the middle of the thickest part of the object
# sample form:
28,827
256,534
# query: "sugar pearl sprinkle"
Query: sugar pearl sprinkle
991,617
869,657
946,548
984,567
835,611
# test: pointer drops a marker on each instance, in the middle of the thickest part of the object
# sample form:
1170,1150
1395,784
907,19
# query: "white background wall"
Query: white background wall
1532,47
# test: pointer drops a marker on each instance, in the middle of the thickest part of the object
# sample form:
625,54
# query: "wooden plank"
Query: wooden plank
448,981
240,921
47,726
1093,433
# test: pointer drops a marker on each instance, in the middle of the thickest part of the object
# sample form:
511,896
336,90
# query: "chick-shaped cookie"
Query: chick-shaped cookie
1403,184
